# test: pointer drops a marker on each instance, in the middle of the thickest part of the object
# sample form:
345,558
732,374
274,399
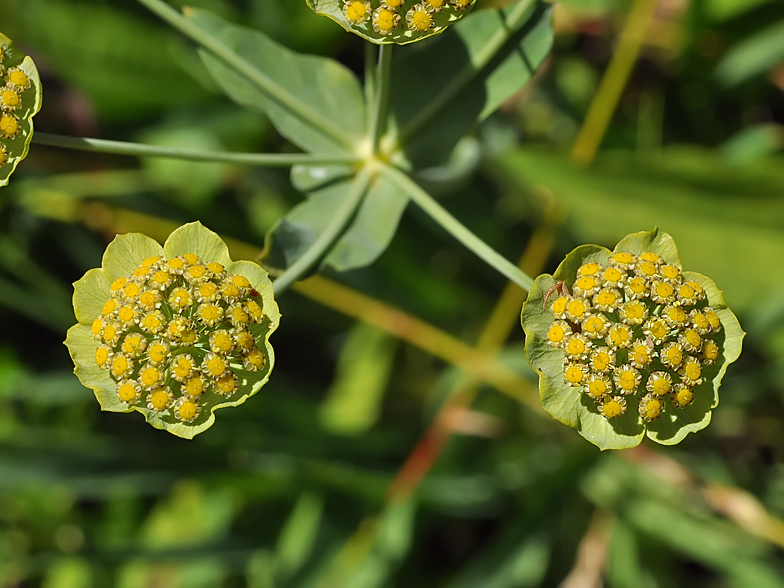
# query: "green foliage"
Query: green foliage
301,487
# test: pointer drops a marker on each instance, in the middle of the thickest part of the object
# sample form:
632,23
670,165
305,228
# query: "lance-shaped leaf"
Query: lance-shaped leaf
366,238
393,21
439,92
313,101
625,341
20,100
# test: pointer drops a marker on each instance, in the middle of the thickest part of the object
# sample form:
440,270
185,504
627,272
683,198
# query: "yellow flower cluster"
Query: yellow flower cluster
15,82
634,326
175,332
386,17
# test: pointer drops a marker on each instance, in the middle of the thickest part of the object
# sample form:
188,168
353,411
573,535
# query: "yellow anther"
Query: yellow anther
254,310
101,356
195,386
9,126
576,346
159,400
121,365
254,360
127,392
651,257
175,263
670,272
109,307
151,261
227,384
589,269
187,410
150,376
9,98
131,290
556,334
574,374
559,306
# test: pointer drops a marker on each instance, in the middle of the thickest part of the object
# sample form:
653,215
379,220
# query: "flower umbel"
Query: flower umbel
645,341
157,334
394,21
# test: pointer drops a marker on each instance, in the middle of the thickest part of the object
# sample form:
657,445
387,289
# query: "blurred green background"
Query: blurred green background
292,489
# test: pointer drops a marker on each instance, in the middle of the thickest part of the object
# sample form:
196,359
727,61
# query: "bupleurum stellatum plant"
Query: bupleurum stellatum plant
20,100
174,331
393,21
627,343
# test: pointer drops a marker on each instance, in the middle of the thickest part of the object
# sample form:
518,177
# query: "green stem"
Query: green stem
512,22
332,232
455,228
138,149
370,78
615,78
274,91
381,95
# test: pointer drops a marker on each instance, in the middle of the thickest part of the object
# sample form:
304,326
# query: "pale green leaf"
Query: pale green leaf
323,87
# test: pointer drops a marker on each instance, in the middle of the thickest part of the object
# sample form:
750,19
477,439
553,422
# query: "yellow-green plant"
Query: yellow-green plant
627,343
20,100
174,331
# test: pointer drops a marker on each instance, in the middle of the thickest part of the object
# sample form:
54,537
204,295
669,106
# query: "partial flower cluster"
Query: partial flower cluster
635,326
14,83
174,334
389,16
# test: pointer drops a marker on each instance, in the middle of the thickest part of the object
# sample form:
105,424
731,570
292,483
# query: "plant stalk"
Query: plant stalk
456,228
381,96
280,95
337,224
141,150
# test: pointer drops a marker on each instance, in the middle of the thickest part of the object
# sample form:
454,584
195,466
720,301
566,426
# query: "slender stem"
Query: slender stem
332,232
138,149
616,76
270,87
474,67
409,328
371,58
453,226
381,95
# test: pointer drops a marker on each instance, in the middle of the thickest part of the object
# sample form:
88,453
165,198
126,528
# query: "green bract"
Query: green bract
20,100
174,332
393,21
625,341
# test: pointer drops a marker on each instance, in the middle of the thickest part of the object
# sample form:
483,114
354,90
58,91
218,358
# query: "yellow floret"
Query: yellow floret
109,307
187,410
9,126
101,356
559,306
150,376
17,77
589,269
574,374
127,392
9,98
